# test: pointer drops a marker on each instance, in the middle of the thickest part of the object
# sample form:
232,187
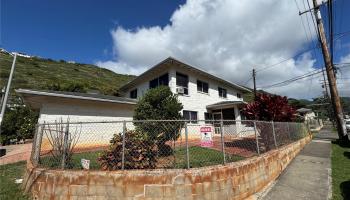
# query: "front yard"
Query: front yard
340,171
198,156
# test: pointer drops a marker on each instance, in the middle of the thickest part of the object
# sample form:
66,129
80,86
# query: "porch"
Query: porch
226,115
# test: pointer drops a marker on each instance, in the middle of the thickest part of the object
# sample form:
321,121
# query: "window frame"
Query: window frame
190,114
134,91
201,88
239,95
157,81
178,84
223,92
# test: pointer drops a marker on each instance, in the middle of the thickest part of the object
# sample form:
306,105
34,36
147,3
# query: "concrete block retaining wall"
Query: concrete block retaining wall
237,180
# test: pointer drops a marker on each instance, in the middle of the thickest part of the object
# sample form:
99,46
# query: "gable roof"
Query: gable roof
160,66
77,95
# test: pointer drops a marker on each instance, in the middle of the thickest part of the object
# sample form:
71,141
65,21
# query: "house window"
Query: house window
133,94
239,95
202,86
222,92
190,115
182,81
162,80
208,117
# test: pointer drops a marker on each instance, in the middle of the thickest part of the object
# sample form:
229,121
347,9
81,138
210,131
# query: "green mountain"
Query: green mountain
40,73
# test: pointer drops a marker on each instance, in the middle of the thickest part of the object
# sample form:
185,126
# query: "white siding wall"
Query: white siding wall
90,134
194,101
51,112
197,101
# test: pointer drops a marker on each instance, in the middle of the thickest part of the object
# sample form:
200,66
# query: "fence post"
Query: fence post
288,130
37,144
274,134
222,141
187,151
123,151
65,147
257,139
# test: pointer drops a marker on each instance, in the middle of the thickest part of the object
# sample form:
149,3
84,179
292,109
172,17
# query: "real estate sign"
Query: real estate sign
206,136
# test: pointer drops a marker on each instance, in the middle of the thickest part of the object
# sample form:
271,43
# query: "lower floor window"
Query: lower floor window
190,115
208,117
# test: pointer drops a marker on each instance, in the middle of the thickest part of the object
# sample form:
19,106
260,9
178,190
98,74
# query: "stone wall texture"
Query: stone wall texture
238,180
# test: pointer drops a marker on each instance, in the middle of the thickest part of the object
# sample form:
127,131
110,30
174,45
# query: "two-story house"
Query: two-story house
203,95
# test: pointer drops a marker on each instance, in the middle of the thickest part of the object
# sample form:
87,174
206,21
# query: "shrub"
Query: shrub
159,104
18,123
139,153
269,108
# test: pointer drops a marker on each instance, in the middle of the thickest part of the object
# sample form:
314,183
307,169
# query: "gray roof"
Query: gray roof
304,110
158,66
225,103
77,95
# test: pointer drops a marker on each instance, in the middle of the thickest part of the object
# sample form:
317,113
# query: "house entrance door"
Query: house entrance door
217,116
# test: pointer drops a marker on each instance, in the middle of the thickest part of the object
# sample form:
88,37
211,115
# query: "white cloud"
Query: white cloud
224,37
343,77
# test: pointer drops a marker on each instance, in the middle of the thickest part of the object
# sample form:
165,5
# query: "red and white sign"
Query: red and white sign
206,136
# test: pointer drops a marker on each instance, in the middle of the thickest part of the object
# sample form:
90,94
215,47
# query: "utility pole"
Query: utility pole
4,102
338,111
325,84
254,81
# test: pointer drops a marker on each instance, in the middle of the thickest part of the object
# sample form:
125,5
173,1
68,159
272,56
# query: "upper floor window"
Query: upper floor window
133,94
222,92
202,86
161,80
190,115
182,81
239,95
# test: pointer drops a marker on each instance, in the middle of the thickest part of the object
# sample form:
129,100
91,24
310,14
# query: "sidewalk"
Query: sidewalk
309,175
15,153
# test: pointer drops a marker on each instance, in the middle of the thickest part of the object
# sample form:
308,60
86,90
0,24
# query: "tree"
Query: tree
269,108
18,123
159,104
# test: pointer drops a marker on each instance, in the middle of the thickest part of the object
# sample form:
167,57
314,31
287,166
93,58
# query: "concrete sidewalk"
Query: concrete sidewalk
308,176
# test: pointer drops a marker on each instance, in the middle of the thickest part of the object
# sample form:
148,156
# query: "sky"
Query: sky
223,37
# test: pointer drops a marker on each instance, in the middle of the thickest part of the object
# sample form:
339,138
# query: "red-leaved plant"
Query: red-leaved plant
269,108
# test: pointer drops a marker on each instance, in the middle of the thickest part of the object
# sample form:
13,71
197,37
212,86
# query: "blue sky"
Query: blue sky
75,30
222,37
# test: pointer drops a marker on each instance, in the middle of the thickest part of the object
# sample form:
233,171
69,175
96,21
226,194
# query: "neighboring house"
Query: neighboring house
306,114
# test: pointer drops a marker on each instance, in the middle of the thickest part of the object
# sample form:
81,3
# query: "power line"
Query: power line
289,81
282,61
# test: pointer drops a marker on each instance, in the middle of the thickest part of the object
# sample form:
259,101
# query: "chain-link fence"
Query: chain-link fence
155,144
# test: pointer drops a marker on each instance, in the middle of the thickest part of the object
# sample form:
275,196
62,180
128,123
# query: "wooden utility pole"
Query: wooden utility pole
254,74
338,111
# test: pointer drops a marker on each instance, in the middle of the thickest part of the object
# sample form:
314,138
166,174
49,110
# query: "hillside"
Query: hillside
39,73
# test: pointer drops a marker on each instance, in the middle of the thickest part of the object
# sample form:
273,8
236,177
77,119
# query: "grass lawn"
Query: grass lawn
340,171
199,157
8,174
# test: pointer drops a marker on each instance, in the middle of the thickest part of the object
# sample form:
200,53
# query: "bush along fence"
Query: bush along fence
157,144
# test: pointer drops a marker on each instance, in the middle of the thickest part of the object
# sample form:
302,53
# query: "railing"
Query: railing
154,144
